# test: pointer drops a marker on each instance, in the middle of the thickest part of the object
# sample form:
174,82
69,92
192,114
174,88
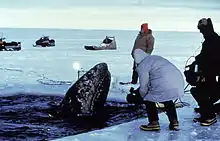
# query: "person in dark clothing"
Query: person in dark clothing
206,90
134,78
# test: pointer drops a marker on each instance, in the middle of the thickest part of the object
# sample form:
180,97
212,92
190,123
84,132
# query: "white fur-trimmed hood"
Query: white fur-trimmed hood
139,55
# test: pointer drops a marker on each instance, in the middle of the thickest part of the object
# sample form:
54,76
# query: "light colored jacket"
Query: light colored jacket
159,79
144,41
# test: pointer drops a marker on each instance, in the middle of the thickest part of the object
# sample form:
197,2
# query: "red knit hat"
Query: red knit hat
144,26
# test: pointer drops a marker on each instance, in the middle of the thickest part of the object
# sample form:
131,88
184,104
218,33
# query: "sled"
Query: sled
109,43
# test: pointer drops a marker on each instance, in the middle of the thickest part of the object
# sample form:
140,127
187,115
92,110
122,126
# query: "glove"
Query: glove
134,96
192,75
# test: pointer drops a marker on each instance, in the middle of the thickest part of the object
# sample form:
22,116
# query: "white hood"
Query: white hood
139,55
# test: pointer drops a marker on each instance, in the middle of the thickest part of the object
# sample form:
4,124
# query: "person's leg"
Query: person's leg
202,95
214,91
215,96
172,115
217,108
134,75
207,113
170,110
195,95
151,111
153,118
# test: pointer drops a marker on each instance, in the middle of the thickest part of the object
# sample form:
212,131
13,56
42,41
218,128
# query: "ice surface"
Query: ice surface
50,71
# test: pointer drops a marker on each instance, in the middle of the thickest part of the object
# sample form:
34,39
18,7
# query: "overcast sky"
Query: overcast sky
71,3
112,14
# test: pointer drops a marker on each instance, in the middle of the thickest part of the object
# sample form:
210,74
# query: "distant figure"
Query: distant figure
160,81
206,88
2,44
144,41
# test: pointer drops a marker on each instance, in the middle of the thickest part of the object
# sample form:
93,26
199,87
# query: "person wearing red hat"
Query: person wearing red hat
145,42
206,89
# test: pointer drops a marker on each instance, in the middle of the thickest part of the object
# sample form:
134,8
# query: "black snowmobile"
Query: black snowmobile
44,41
9,46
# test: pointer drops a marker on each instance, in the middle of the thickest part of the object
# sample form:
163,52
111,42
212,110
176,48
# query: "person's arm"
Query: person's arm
132,52
143,80
134,47
150,45
206,58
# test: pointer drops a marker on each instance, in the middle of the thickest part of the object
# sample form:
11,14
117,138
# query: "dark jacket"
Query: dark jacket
144,41
209,58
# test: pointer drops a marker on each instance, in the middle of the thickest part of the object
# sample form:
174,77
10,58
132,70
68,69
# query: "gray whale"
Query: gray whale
87,96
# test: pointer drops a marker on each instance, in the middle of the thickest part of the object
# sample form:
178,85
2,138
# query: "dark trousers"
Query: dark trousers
152,112
134,75
206,94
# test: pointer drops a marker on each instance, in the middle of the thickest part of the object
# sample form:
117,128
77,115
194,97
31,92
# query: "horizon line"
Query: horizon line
113,29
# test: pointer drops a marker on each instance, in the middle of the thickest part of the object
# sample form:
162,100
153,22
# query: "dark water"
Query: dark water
26,117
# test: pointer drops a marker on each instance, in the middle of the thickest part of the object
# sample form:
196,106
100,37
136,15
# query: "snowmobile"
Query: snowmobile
109,43
44,41
9,46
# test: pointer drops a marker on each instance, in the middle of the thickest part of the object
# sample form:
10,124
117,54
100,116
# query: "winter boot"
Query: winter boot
174,125
208,122
151,126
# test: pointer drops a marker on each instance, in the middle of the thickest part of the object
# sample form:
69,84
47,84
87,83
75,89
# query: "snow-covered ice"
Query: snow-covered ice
50,71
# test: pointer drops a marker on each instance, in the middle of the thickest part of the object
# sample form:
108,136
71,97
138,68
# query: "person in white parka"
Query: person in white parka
160,81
